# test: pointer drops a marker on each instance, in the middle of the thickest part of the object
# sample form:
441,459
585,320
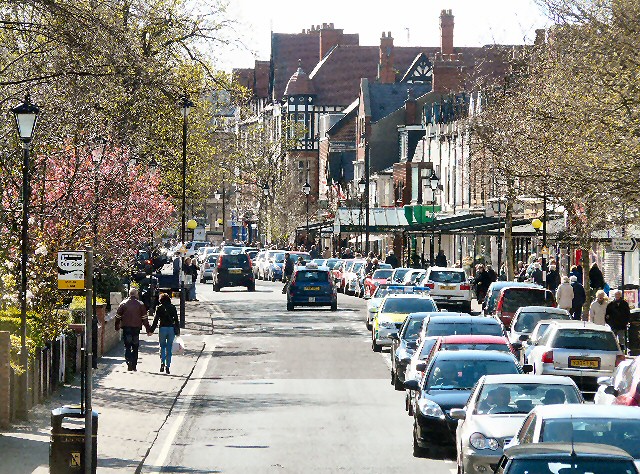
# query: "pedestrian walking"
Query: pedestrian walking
576,270
521,272
191,269
287,271
579,298
598,309
536,274
313,253
491,274
167,317
617,316
596,278
391,259
131,315
441,259
564,294
553,278
481,283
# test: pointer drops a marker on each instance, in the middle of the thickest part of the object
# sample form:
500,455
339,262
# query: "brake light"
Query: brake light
547,357
250,263
499,308
220,261
619,359
148,262
465,287
430,284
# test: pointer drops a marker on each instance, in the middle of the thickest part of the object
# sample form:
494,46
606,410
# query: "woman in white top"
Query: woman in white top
598,308
564,294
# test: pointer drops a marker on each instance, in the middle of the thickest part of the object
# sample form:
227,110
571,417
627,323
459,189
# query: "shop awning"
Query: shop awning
381,219
468,223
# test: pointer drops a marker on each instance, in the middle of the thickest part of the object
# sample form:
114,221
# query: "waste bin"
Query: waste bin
66,449
633,335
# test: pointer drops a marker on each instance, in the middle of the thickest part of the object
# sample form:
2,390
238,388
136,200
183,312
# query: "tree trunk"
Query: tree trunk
585,282
508,240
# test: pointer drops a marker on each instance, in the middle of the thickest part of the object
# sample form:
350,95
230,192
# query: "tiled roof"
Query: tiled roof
255,79
299,84
286,50
387,98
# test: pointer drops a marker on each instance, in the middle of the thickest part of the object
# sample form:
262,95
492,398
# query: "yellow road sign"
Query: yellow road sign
71,270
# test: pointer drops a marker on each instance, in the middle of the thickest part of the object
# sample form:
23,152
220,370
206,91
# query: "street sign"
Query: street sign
70,270
623,244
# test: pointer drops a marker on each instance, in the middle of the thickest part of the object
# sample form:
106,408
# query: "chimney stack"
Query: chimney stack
386,73
446,32
411,109
329,38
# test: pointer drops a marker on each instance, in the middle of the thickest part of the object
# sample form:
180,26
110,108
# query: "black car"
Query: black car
233,270
447,384
403,345
574,458
459,324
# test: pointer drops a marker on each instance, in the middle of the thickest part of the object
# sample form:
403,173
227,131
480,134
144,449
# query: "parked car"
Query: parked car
583,351
475,342
561,458
446,385
397,277
193,247
383,290
623,388
392,313
344,271
412,275
207,267
336,272
331,262
416,368
231,249
351,276
379,277
513,298
495,410
526,318
451,324
403,344
611,425
491,300
233,270
449,286
362,276
311,286
531,341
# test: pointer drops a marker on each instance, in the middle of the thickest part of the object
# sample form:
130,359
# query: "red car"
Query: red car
513,298
379,277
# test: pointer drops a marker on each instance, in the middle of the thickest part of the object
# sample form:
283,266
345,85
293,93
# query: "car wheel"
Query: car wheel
251,287
393,377
368,324
216,287
467,307
399,386
375,347
410,408
273,277
418,451
334,306
290,306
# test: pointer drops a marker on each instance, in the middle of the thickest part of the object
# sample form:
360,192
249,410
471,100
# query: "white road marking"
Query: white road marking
177,424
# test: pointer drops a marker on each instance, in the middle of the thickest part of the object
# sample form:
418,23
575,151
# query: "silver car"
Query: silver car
581,350
526,318
495,411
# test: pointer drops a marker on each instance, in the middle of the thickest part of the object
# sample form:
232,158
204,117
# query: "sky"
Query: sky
416,23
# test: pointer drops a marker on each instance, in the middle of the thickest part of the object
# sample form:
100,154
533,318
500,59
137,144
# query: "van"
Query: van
514,297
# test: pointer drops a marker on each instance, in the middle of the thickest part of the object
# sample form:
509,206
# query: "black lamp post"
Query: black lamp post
434,183
362,187
306,189
185,105
265,191
26,116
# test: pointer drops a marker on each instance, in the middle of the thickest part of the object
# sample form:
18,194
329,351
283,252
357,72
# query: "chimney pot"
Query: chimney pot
331,25
389,34
446,31
324,26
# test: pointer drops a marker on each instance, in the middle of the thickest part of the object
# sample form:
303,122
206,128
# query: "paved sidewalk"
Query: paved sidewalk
132,407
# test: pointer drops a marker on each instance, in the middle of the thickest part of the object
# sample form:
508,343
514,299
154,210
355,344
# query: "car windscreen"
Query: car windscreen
441,276
427,346
496,398
278,257
582,339
621,432
447,328
382,274
331,263
312,276
408,305
463,374
515,298
528,320
412,329
235,261
400,273
476,346
571,466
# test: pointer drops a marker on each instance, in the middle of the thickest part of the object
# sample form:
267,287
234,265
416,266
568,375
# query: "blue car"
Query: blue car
312,286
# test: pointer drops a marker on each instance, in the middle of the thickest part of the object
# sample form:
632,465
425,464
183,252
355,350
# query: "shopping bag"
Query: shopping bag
178,346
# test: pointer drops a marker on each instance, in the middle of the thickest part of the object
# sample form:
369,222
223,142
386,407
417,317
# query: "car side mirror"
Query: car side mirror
611,390
412,385
394,336
524,337
527,368
605,380
458,413
421,367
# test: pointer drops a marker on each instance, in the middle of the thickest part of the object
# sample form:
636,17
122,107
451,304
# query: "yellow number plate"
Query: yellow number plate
447,287
585,363
235,270
312,288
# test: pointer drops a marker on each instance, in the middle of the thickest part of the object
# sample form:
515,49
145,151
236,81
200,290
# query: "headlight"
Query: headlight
480,441
386,324
430,408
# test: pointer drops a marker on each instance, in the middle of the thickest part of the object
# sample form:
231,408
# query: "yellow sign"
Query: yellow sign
545,251
75,460
71,270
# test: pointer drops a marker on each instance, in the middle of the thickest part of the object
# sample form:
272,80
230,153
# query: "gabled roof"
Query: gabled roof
286,51
421,69
387,98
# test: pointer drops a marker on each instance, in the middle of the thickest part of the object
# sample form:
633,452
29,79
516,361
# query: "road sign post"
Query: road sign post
623,245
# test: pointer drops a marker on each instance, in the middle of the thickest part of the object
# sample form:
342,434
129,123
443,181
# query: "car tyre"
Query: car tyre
418,451
375,347
251,287
410,407
290,306
216,287
466,307
399,386
393,377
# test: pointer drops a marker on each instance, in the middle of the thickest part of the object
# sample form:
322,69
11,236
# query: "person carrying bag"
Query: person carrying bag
167,317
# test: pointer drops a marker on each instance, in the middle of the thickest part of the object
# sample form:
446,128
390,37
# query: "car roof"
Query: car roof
542,309
474,339
528,378
407,295
586,411
482,320
498,285
448,269
475,355
580,325
553,450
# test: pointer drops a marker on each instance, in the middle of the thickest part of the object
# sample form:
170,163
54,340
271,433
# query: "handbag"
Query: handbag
178,346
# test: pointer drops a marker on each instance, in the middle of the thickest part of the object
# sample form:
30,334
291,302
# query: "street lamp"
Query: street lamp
434,184
26,116
307,189
185,105
266,191
362,187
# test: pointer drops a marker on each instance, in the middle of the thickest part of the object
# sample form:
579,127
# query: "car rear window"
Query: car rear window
212,258
408,305
585,340
311,276
278,257
400,273
356,267
528,320
516,298
447,277
240,260
496,398
436,328
476,347
382,274
463,374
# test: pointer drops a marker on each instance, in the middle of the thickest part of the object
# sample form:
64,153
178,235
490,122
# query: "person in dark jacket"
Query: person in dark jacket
482,282
287,271
553,278
576,270
441,259
491,274
391,259
617,317
131,316
536,274
596,279
579,298
167,318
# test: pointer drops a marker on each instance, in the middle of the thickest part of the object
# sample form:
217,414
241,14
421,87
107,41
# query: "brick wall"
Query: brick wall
111,336
5,379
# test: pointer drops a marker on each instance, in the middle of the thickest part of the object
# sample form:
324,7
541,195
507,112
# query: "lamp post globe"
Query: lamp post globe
434,181
362,186
217,195
306,188
265,189
536,224
26,117
192,224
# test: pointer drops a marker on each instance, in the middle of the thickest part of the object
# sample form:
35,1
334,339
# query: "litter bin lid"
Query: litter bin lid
71,411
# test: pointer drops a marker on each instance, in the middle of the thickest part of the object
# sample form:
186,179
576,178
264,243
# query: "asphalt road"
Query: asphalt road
280,391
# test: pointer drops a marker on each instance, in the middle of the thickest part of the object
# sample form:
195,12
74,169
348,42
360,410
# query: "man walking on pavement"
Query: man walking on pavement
598,308
579,298
564,295
131,316
287,271
617,316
